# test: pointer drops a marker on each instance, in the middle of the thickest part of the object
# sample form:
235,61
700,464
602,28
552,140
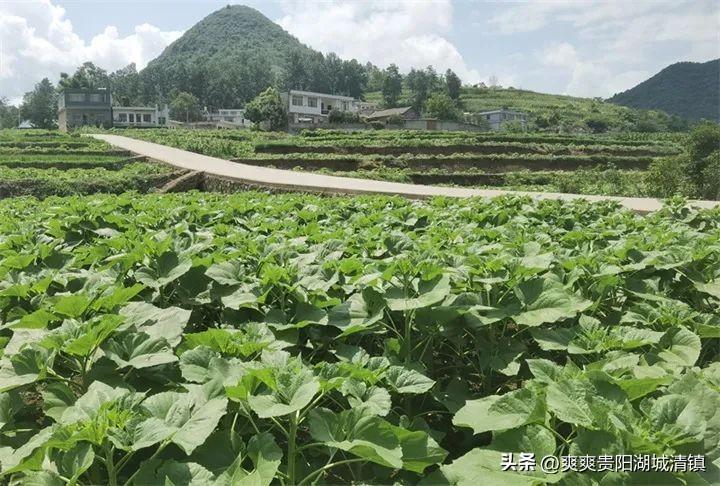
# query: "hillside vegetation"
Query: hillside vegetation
687,89
552,112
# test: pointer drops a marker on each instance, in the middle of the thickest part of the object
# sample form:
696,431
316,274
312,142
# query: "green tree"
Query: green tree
453,84
40,105
125,86
9,114
441,106
421,83
597,123
87,76
703,149
391,86
267,109
185,106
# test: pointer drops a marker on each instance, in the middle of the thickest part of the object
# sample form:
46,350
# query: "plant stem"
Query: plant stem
110,465
155,454
329,466
292,451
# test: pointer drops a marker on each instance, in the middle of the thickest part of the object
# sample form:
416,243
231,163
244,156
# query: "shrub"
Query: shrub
710,180
338,116
667,177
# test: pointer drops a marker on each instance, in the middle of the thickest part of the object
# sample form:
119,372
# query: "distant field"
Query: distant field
583,164
44,163
556,110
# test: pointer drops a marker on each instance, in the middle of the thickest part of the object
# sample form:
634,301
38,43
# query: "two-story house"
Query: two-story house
310,107
84,107
140,116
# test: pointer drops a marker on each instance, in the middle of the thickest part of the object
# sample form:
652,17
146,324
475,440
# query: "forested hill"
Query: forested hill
232,33
687,89
233,54
228,57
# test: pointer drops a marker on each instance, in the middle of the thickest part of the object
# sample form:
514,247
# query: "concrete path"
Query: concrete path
310,182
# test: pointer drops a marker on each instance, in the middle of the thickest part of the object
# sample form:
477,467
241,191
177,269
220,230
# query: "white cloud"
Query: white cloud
615,44
37,40
409,34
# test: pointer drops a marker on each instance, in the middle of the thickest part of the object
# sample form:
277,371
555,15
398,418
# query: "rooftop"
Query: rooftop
321,95
390,112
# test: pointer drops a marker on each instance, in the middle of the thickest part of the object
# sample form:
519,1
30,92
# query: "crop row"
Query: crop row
43,182
213,339
454,162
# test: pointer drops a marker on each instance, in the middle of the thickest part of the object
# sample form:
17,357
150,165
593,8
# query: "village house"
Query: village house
84,107
228,118
497,118
403,113
140,116
310,107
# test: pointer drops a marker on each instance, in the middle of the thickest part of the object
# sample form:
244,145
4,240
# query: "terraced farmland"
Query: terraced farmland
607,165
44,163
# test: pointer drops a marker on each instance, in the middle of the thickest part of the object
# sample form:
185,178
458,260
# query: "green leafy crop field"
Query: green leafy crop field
44,163
291,339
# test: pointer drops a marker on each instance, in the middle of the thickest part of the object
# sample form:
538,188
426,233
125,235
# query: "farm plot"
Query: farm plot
579,164
43,163
207,339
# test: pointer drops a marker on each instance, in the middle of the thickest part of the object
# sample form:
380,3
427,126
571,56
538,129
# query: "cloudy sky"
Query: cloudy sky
584,48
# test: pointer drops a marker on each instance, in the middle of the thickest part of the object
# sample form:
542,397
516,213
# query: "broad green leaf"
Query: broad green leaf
419,450
710,288
366,436
71,305
88,405
374,399
546,300
173,473
405,380
428,292
266,457
138,350
28,456
167,268
82,339
683,350
192,418
27,366
295,395
57,396
167,323
499,412
73,463
231,272
35,320
359,313
528,438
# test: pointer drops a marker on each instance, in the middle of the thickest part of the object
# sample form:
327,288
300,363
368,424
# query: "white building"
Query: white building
497,118
309,107
140,116
233,117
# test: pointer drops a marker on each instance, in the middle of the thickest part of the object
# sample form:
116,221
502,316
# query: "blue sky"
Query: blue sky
584,48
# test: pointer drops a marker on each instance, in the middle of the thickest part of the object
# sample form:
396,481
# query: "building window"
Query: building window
345,106
312,102
131,117
96,98
122,117
146,118
297,100
76,97
161,120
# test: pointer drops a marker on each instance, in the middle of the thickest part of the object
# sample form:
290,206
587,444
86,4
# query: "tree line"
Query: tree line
238,80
